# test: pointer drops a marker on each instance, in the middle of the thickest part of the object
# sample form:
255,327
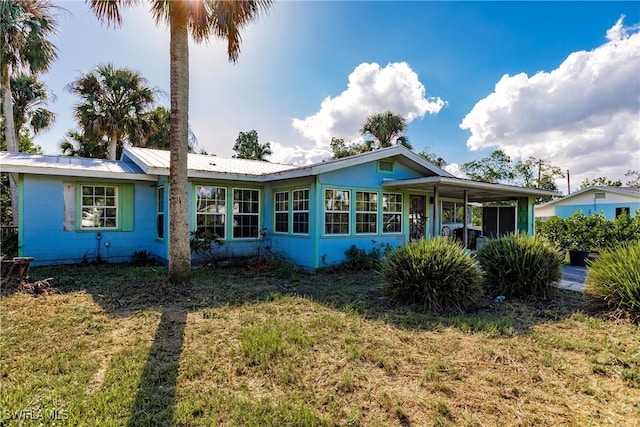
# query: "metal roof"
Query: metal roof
43,164
202,165
454,188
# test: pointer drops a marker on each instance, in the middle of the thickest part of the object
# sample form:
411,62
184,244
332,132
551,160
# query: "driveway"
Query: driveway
572,278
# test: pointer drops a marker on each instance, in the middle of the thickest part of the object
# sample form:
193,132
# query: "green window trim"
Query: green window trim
125,204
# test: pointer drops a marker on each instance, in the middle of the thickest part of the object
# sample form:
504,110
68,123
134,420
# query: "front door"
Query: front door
417,217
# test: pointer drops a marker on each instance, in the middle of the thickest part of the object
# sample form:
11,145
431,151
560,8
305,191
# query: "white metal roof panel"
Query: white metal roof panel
43,164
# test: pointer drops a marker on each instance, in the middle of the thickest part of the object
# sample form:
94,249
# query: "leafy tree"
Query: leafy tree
429,156
499,168
248,147
223,19
536,173
601,181
113,100
340,149
26,26
495,168
386,128
634,179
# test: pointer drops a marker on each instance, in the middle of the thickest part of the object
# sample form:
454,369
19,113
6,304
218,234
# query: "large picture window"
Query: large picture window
366,212
211,208
391,213
246,213
282,212
99,207
300,211
337,206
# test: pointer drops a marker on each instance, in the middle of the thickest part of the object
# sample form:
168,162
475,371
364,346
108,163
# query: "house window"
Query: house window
337,208
99,207
211,208
160,213
392,213
453,212
366,212
246,213
282,212
300,211
623,211
385,165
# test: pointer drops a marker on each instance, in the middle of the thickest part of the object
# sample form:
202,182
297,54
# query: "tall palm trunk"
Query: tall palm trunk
10,136
179,250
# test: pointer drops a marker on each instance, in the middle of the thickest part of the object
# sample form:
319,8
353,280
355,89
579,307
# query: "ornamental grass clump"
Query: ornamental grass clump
435,275
614,277
519,266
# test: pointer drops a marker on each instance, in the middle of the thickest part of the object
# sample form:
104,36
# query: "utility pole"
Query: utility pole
568,182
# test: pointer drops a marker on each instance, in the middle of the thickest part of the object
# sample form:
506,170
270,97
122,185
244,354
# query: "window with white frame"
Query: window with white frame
391,213
246,213
211,209
366,212
99,207
337,208
160,213
281,208
300,211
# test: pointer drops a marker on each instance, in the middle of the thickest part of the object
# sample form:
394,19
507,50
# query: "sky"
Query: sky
559,81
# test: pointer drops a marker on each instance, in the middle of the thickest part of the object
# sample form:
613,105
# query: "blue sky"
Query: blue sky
558,81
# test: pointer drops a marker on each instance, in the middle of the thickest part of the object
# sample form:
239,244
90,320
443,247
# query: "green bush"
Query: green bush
434,274
519,266
360,260
588,232
9,244
614,277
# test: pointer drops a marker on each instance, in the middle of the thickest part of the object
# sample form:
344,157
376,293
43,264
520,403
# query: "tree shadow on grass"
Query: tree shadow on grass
123,291
156,396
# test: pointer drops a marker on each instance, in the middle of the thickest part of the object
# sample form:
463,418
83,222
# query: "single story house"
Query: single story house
73,208
611,201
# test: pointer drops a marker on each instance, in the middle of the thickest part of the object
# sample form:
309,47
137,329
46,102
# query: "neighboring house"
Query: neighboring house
73,208
611,201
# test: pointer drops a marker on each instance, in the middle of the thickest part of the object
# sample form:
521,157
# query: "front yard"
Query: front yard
117,345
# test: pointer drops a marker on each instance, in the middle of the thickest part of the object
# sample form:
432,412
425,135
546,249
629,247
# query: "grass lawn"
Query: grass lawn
117,345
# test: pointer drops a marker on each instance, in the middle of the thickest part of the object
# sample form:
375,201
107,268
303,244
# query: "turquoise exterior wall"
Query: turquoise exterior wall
46,233
44,236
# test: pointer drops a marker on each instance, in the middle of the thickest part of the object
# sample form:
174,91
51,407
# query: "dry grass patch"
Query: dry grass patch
119,346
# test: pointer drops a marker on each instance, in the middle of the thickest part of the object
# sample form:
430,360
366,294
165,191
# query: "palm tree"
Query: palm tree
79,144
26,28
30,97
201,18
156,125
113,99
386,128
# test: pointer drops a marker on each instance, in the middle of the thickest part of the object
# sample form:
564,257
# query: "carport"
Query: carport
469,191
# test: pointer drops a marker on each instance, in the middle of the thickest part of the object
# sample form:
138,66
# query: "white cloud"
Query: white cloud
297,155
583,116
371,90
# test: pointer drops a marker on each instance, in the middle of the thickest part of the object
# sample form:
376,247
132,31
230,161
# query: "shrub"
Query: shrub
614,277
434,274
9,244
518,266
589,232
361,260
